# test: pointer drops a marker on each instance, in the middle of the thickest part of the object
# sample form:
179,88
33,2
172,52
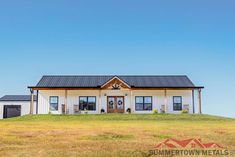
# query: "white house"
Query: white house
104,94
16,105
115,94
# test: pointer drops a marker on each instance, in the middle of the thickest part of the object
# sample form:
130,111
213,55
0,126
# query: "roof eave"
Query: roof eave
195,87
16,100
99,87
35,87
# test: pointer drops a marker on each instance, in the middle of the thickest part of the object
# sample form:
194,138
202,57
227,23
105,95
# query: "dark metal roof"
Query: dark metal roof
171,81
17,98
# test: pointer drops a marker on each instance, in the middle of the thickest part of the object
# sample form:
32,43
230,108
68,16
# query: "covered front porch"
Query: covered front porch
116,96
67,101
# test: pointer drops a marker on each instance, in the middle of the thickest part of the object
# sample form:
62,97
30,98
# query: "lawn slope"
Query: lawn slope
107,135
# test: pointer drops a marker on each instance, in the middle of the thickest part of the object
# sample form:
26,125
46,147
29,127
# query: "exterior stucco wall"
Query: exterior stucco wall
25,107
158,99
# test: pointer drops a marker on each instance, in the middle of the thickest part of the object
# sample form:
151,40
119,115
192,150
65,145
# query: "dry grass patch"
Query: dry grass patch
106,135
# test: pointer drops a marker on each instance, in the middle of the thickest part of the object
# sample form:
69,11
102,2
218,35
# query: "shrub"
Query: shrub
155,111
128,110
102,110
184,111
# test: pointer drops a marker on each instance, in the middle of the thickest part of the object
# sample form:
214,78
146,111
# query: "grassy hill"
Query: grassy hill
107,135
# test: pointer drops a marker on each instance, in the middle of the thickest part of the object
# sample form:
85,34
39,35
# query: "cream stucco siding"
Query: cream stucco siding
158,99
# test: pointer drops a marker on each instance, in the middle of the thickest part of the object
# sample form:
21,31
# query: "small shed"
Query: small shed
15,105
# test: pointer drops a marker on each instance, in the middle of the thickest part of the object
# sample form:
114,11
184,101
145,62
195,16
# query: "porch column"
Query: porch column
131,102
199,101
66,101
193,101
31,101
165,100
99,105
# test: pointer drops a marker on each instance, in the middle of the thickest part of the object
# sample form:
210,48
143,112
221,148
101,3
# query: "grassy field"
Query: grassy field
106,135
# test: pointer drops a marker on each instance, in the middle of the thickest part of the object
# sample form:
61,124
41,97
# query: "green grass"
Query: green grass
108,134
120,117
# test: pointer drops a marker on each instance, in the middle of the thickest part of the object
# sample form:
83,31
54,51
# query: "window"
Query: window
87,103
54,101
143,103
177,103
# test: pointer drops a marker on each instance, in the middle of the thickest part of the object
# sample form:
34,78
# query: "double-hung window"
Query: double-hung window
143,103
87,103
54,102
177,103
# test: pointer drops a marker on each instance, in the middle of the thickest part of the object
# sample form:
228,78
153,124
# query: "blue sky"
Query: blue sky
195,38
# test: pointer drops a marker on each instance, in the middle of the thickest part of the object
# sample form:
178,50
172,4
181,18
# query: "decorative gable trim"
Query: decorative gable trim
116,86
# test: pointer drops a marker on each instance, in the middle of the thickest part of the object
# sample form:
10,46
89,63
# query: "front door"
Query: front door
115,104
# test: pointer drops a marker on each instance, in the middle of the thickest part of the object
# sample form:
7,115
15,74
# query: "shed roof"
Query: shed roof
17,98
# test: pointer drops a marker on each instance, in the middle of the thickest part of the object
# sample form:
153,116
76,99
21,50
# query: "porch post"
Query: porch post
165,100
131,102
199,101
99,105
193,101
31,101
65,101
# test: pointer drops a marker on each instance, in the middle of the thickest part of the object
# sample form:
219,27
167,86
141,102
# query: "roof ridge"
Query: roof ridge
74,75
114,75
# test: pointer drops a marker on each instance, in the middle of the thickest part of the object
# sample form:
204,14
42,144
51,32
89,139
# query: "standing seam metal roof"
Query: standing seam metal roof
82,81
17,98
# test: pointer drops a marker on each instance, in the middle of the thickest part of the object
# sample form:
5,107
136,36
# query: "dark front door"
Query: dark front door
11,111
115,104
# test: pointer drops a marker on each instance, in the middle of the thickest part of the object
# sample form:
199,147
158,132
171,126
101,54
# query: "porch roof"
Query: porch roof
134,81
